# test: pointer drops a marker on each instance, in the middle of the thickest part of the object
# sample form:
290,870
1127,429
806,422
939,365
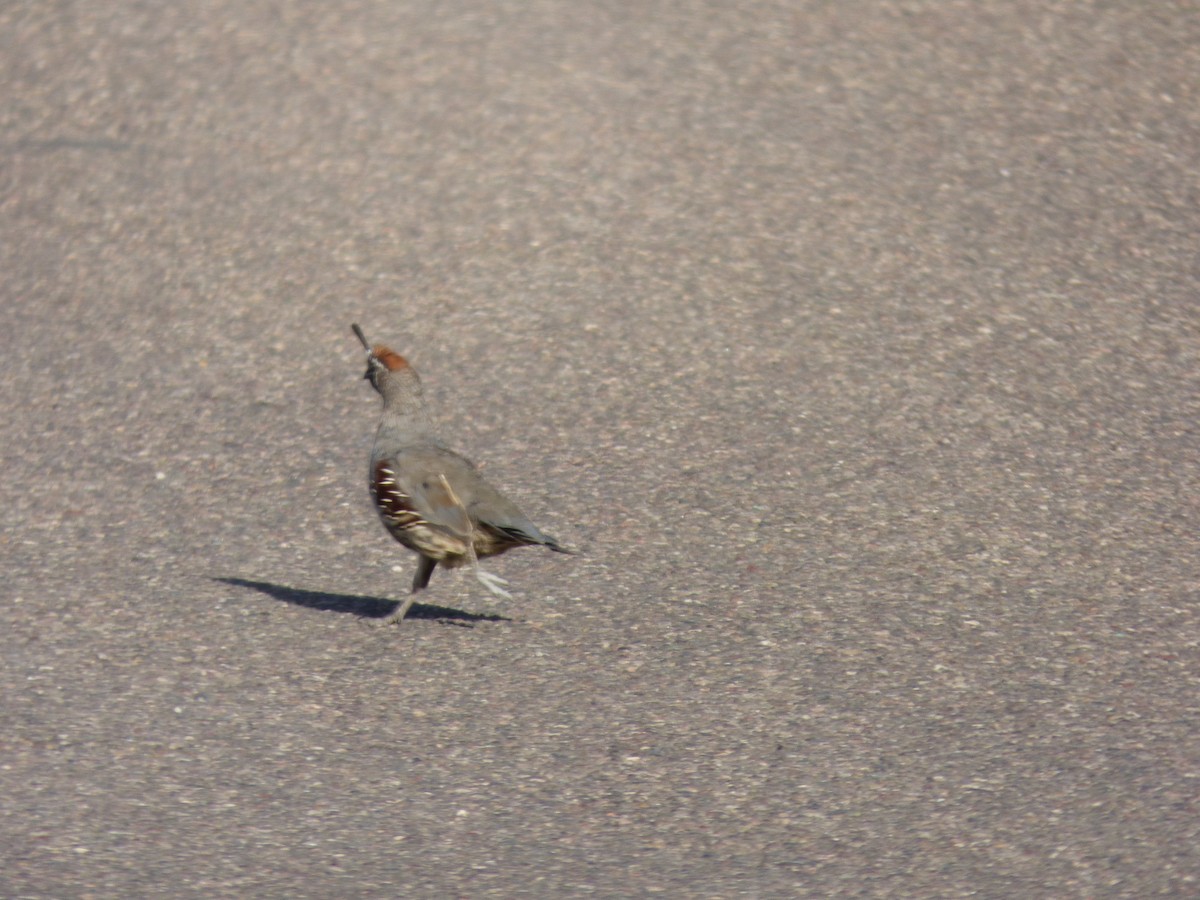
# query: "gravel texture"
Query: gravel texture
854,345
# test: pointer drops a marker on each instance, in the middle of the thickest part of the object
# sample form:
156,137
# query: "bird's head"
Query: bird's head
381,361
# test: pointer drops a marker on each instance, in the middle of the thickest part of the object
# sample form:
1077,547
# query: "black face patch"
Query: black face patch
375,371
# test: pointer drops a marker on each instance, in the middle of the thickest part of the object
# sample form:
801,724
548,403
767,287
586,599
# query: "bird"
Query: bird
431,499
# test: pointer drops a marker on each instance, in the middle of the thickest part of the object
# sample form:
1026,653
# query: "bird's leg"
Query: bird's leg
398,616
489,580
425,567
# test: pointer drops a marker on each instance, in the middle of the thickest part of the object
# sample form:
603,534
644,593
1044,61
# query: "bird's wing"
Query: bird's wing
496,512
430,486
439,505
448,491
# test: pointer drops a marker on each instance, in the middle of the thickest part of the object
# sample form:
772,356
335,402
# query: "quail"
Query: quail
431,499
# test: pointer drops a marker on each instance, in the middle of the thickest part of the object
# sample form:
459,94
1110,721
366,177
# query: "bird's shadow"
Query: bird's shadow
362,606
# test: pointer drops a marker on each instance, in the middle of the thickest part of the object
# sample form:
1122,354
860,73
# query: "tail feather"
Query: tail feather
557,547
530,534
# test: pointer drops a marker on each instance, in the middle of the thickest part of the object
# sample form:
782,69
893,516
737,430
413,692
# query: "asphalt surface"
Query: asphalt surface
854,345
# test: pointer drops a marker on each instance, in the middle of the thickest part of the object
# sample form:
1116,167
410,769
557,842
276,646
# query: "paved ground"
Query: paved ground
854,344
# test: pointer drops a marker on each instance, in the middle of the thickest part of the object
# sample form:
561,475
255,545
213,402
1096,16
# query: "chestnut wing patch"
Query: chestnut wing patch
399,512
394,505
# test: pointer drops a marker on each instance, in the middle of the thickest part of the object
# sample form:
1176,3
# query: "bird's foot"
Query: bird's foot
397,617
492,583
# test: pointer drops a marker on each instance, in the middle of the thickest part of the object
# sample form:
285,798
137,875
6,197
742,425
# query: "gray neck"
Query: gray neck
399,429
405,418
